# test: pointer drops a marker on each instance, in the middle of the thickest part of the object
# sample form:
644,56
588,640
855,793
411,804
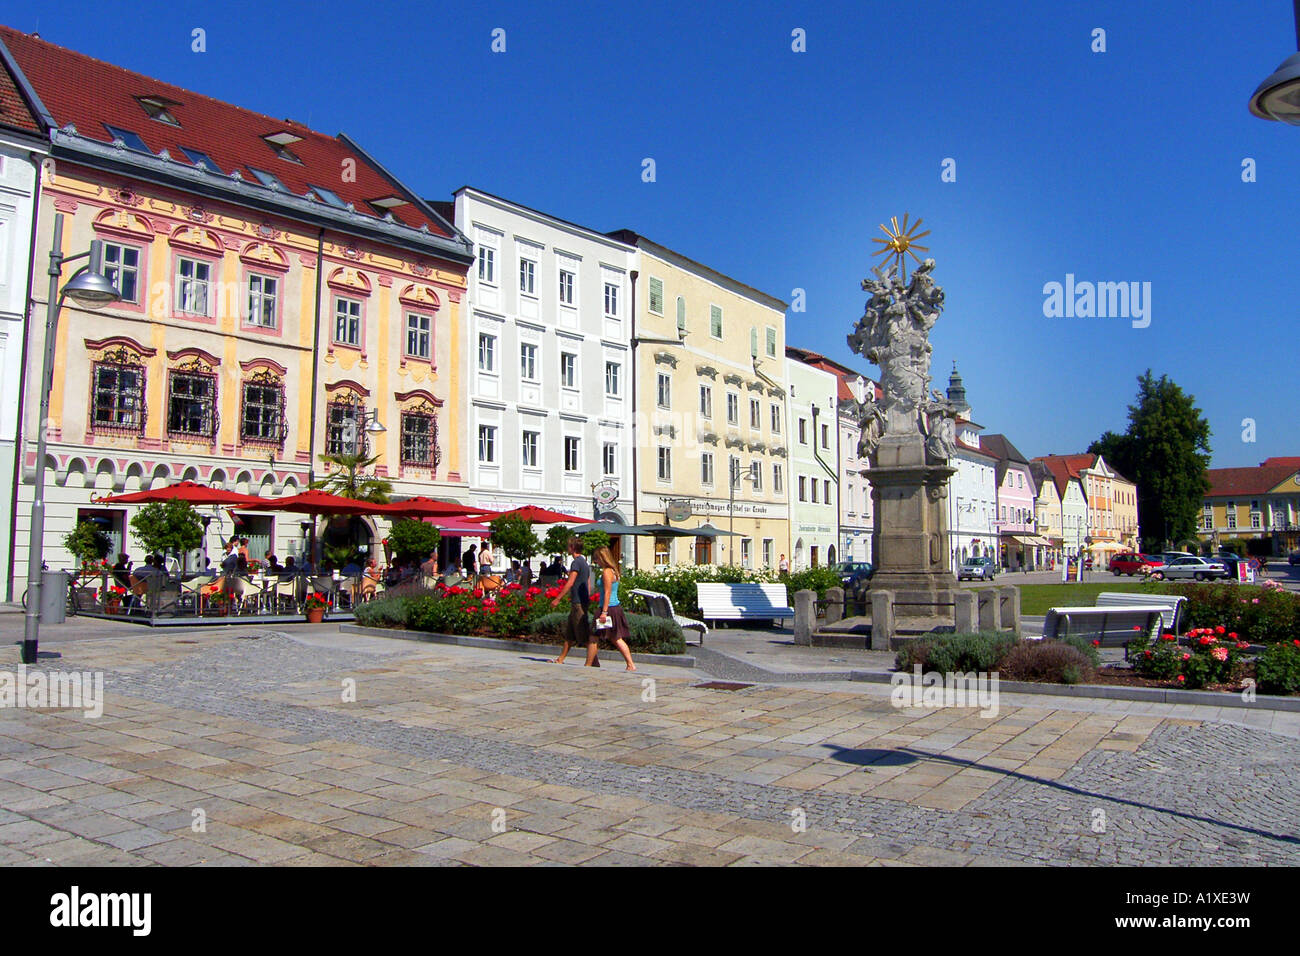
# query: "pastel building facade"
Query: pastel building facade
280,291
1017,519
1067,474
1261,502
814,464
548,354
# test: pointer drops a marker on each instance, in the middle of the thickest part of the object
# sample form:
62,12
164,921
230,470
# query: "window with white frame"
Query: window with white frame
262,294
656,296
527,276
665,462
347,322
1207,518
778,478
1232,514
706,468
572,453
715,321
487,352
803,431
419,336
826,436
733,408
663,390
613,379
776,419
826,491
706,401
528,448
568,370
768,548
487,265
193,281
611,300
756,472
487,444
122,268
755,414
813,483
528,362
803,488
746,552
566,287
609,458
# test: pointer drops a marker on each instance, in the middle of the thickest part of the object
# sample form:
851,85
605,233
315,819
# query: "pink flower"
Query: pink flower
1254,600
1219,653
1182,679
1187,657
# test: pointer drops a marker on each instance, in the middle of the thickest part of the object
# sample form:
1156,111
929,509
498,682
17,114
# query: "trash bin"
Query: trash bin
54,596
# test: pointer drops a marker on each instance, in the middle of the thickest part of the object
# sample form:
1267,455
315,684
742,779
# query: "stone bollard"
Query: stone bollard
967,619
988,608
834,605
882,619
805,616
1009,608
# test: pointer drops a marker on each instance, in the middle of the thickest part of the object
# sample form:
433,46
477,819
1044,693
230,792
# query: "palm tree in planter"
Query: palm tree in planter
347,477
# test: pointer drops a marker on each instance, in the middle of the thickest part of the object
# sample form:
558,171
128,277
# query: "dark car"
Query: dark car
972,569
854,574
1293,558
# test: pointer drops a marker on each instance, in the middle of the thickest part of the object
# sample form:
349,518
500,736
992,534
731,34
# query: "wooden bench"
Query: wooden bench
743,602
1110,626
1176,604
661,605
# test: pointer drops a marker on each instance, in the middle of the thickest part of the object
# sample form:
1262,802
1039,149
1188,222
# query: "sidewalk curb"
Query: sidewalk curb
1146,695
501,644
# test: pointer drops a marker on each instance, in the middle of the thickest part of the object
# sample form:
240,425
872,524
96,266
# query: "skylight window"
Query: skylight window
280,142
158,108
389,202
328,196
270,180
132,140
201,159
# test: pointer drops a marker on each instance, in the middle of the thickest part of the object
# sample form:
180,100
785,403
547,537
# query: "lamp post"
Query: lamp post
89,287
736,476
1278,97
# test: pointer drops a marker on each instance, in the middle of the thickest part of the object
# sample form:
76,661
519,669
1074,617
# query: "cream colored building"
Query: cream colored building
711,422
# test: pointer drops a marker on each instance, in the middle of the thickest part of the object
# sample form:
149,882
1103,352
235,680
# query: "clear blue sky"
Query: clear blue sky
775,167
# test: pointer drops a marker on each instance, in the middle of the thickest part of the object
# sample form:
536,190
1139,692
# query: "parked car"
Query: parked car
1293,558
854,574
1172,556
1132,564
972,569
1198,569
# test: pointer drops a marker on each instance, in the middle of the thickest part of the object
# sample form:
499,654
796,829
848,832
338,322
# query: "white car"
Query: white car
1198,569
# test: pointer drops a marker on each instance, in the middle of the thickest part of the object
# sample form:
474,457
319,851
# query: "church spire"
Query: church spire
957,391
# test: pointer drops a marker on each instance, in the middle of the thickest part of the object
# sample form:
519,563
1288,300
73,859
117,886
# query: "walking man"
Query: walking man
577,629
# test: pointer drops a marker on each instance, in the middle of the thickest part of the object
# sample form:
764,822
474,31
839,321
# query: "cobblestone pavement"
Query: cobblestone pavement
454,756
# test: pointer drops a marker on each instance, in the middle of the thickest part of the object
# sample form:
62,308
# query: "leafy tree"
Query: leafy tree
412,540
168,527
347,478
515,537
87,543
593,540
557,540
1166,452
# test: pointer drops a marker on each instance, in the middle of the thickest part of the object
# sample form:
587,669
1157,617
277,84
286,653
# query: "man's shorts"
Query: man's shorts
577,629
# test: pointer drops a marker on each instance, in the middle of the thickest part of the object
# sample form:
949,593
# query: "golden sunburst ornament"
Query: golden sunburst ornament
900,244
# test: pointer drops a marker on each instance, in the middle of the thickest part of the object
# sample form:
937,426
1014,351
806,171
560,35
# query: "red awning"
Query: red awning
195,494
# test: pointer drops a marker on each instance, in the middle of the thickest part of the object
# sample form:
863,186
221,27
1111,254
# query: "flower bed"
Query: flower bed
513,612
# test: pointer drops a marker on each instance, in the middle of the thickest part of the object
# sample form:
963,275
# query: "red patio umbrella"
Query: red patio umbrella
534,515
462,529
195,494
316,502
429,508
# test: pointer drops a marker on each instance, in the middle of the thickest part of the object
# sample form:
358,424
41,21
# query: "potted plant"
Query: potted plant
113,598
315,606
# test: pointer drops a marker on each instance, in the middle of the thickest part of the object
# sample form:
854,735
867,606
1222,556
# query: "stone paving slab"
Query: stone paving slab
461,756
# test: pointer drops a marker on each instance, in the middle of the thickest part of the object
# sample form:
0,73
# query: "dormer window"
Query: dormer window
280,142
387,203
132,140
201,160
158,107
328,196
270,180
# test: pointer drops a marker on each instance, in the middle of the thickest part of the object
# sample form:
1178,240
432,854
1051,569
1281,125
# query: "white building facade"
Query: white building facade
549,361
973,490
855,489
814,467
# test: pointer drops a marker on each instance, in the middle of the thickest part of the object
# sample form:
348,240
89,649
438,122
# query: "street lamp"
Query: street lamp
88,287
367,422
736,476
1278,97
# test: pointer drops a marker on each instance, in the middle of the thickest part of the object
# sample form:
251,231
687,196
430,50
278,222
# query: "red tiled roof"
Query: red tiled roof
88,93
1288,462
975,450
14,111
1065,467
1225,482
844,392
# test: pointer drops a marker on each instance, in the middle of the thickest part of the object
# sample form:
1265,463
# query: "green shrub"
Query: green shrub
678,582
1261,615
385,611
1277,670
955,653
818,579
649,635
1085,647
412,540
87,543
1053,662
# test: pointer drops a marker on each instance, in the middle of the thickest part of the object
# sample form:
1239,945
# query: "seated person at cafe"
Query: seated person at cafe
351,569
287,570
370,580
122,570
430,567
272,563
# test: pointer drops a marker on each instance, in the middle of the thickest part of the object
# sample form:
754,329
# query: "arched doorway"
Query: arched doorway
830,555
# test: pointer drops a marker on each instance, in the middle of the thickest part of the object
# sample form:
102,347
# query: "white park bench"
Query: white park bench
1109,626
1175,605
743,602
661,605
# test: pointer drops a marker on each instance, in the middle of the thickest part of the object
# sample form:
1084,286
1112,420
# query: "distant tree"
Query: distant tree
169,527
515,537
593,540
1166,452
87,543
557,540
412,540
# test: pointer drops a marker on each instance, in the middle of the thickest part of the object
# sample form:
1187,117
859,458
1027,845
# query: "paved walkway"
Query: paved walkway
454,755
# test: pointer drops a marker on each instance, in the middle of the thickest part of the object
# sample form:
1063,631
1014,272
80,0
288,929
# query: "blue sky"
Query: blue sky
776,167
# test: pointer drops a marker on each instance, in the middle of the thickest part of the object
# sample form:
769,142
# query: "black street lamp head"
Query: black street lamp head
1278,97
91,288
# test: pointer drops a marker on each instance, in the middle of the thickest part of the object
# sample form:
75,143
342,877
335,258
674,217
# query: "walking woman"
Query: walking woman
611,623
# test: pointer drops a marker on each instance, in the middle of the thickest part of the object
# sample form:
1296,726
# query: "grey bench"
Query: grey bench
1109,626
743,602
1175,604
661,605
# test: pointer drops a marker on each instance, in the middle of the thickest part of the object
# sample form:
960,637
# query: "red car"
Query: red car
1131,564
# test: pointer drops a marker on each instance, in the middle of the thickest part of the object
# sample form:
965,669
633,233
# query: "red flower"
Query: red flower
1096,643
478,592
1168,637
1205,640
552,592
1233,635
1220,629
1137,627
1187,657
470,610
1147,653
533,592
1181,679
